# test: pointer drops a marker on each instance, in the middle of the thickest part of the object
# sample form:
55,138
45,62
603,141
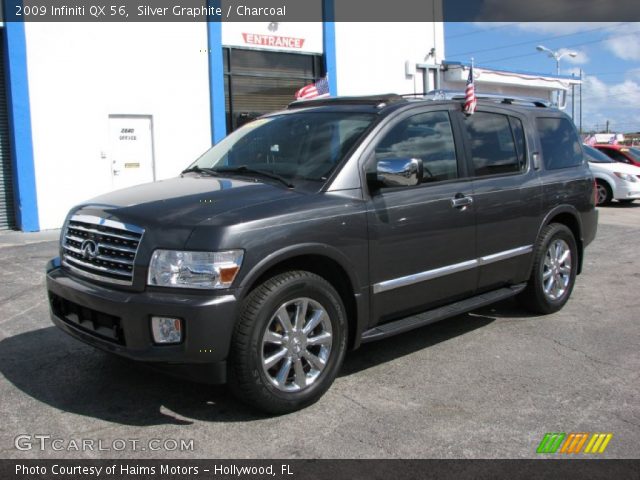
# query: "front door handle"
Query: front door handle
461,201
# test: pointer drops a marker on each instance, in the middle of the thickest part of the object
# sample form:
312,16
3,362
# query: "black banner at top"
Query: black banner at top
321,10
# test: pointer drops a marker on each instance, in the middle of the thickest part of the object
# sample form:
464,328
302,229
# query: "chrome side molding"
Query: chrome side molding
449,269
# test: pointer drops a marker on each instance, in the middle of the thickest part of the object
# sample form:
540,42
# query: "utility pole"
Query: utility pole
607,127
580,101
573,102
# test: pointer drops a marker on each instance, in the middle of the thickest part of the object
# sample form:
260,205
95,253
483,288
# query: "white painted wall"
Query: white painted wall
371,56
80,73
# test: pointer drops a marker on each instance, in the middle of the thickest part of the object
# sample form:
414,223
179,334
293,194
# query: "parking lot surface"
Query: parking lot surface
488,384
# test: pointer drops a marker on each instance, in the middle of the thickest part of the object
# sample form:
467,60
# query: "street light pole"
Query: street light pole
556,55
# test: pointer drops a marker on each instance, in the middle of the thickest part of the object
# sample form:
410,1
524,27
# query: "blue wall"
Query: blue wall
20,139
329,44
216,78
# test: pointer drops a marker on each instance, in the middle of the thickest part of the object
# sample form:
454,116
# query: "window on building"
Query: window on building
258,82
497,143
428,137
560,143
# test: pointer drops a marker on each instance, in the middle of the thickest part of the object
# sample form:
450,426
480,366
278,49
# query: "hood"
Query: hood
185,201
615,167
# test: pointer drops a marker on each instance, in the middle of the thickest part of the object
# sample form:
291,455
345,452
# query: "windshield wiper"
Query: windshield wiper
197,169
242,169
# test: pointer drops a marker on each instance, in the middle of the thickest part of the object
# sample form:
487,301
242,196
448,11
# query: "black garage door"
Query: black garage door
257,82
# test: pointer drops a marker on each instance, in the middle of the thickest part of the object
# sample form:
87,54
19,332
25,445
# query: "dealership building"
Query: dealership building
86,108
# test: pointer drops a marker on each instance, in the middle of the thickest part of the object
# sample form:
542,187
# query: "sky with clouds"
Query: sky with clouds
607,53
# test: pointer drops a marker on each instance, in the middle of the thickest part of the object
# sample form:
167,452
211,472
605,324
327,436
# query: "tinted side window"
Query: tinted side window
617,156
426,136
493,148
560,143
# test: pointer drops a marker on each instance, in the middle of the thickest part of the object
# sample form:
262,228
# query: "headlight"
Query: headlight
172,268
626,177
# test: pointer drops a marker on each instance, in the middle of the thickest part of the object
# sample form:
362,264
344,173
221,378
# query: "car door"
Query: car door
507,194
422,237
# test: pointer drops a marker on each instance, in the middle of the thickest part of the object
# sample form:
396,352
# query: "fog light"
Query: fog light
166,330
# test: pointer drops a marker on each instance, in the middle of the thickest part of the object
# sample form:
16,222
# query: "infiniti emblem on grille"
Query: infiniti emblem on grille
89,249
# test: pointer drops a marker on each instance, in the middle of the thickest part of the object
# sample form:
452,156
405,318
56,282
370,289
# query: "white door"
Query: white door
131,150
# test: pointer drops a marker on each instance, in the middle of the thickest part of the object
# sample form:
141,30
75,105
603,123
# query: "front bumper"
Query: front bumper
120,322
627,191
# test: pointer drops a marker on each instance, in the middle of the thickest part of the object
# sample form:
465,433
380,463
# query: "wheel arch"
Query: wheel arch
327,262
568,216
608,181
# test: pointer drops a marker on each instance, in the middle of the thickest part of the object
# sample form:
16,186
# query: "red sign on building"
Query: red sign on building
272,40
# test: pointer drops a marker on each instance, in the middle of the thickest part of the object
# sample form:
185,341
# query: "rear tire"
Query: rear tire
289,343
554,270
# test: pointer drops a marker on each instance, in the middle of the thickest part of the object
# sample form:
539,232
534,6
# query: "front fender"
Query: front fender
305,249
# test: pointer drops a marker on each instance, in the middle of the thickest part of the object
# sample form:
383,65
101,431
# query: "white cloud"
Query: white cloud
561,28
626,93
603,102
634,73
580,59
625,44
551,28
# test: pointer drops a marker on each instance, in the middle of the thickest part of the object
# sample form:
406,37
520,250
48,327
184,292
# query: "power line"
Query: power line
537,40
551,16
602,74
483,30
568,46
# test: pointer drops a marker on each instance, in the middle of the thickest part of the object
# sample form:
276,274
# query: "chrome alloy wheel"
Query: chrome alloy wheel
296,344
602,194
556,273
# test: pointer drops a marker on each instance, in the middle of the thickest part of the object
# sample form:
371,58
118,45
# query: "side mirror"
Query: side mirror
399,172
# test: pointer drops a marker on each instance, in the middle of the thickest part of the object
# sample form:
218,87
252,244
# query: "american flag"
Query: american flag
470,99
315,90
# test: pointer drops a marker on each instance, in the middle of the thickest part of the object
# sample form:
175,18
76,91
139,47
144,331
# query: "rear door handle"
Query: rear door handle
461,201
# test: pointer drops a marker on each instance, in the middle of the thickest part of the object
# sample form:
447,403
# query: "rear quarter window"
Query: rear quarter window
560,143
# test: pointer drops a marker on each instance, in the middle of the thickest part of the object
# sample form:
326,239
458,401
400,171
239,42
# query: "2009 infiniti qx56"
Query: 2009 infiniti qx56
310,231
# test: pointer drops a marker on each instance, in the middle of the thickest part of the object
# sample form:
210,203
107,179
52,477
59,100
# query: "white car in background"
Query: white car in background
614,180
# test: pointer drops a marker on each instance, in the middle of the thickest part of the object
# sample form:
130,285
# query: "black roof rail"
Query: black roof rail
496,97
378,101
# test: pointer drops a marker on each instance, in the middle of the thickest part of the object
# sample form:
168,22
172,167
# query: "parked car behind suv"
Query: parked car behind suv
620,153
614,180
316,229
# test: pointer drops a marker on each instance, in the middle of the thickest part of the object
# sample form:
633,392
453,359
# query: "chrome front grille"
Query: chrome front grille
101,249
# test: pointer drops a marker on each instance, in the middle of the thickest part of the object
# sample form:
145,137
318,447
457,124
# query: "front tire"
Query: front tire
554,270
604,195
289,343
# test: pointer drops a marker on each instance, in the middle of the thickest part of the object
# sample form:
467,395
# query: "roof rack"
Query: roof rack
378,101
496,97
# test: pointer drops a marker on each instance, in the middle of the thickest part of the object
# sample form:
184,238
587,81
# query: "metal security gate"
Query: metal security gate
7,212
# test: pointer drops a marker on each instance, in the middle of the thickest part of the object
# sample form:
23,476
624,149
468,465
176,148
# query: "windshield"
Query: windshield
300,145
596,156
635,153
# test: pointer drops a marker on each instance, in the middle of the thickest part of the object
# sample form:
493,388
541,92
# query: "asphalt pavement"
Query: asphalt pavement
488,384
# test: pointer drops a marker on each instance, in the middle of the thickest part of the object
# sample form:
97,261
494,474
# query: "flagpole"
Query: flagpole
470,98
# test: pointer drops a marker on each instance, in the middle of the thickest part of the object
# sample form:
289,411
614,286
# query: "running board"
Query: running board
404,325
